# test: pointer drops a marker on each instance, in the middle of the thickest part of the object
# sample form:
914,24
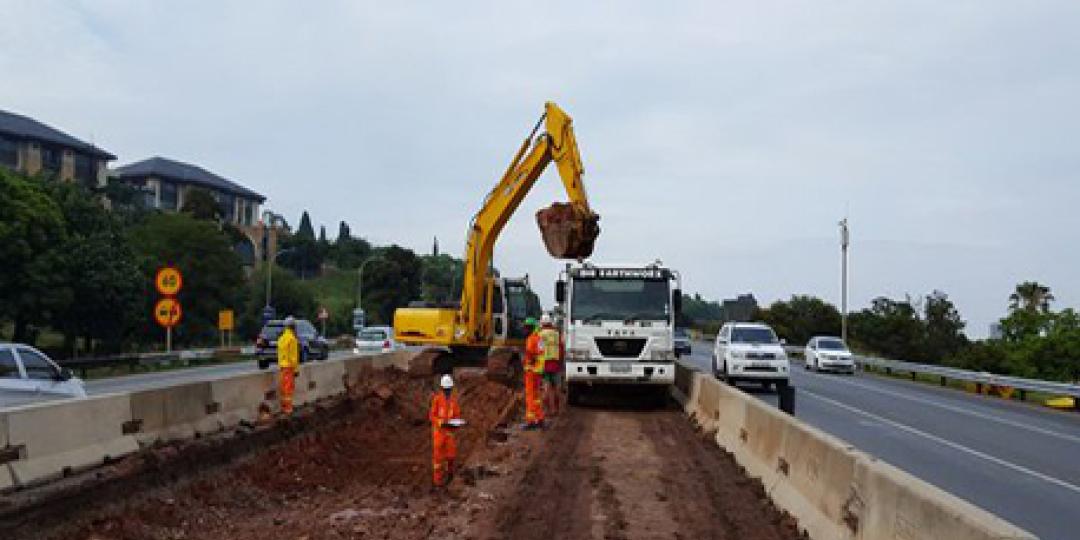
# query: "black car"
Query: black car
682,342
312,345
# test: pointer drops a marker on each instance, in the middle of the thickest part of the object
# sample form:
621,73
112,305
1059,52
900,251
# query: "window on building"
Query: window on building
51,158
85,170
227,202
9,152
168,195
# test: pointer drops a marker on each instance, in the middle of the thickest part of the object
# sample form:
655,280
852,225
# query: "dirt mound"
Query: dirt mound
367,472
569,232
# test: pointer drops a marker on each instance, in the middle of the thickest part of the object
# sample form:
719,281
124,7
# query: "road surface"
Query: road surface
1015,460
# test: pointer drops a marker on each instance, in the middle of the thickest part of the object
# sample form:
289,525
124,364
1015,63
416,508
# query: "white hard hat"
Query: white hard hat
446,382
545,318
290,321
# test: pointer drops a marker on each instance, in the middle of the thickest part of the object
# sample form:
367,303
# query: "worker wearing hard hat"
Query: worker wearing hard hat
534,372
551,344
288,354
445,417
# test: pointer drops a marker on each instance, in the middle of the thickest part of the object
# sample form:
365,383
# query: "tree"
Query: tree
31,233
890,328
203,253
289,297
801,318
100,279
349,252
391,283
301,250
443,276
944,327
201,204
1031,296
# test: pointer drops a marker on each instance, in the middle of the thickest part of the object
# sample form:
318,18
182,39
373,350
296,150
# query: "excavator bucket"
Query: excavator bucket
569,232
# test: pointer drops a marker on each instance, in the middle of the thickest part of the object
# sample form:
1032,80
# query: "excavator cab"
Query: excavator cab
520,303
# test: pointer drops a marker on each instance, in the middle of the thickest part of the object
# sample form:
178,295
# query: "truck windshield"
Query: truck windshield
620,300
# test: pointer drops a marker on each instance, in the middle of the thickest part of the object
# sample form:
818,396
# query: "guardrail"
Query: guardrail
979,378
132,360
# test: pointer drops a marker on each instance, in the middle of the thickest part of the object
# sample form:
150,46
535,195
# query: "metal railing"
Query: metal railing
133,360
980,378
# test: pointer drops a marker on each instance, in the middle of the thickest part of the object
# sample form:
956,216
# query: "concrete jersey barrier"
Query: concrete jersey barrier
43,441
833,489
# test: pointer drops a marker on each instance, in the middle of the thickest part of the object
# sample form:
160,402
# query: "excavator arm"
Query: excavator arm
569,230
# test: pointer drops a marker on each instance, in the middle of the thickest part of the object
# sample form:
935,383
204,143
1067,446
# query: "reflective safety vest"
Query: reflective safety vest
549,345
534,354
443,409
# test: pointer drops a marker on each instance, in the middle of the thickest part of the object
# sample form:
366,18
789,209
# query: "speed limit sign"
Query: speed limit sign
168,281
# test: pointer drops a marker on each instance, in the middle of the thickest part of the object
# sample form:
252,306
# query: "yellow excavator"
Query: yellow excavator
488,323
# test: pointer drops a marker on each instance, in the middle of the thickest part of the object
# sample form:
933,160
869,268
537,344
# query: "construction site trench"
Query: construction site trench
360,467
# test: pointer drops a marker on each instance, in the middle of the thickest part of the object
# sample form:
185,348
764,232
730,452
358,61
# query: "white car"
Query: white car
27,373
827,353
750,352
376,339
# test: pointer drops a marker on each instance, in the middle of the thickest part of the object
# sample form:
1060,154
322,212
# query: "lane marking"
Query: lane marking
955,446
927,401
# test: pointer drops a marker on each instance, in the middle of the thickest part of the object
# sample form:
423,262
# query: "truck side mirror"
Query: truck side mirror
560,291
678,301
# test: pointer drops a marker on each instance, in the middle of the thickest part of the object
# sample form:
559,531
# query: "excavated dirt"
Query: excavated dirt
361,469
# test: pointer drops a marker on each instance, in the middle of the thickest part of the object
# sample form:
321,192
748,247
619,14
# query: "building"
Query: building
32,148
167,183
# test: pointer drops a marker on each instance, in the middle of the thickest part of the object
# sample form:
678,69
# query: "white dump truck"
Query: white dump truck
618,325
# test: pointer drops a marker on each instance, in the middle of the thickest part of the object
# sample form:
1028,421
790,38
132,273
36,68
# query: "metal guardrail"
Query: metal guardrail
1024,385
134,359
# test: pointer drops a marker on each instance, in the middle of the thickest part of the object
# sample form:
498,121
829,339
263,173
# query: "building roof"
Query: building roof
184,173
24,127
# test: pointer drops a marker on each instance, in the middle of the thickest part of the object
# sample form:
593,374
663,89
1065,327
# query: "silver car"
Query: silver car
827,353
27,374
376,339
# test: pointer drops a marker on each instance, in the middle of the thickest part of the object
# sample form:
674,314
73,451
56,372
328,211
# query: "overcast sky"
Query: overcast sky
726,138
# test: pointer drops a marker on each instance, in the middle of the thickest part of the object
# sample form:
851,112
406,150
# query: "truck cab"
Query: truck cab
618,324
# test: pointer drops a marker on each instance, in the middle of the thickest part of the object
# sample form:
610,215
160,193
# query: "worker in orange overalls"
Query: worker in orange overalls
444,408
288,357
534,373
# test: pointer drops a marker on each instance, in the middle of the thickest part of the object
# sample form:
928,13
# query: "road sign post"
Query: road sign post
167,311
226,323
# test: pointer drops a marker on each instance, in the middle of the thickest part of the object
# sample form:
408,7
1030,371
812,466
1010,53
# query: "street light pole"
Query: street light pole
360,281
268,225
844,241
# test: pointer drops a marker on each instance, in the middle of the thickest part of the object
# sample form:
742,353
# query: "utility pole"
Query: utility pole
844,241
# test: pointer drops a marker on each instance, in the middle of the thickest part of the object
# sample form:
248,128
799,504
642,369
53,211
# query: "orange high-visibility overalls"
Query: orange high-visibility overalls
443,445
534,373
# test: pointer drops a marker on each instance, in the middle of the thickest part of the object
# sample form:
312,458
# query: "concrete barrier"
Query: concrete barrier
174,412
43,441
834,490
53,438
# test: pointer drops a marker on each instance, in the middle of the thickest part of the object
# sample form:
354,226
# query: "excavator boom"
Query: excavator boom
569,231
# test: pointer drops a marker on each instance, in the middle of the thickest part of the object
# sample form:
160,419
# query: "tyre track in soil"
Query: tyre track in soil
635,474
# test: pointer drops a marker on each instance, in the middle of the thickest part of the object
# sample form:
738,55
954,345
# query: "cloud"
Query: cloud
726,138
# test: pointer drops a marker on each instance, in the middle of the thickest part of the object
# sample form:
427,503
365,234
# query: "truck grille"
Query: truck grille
620,347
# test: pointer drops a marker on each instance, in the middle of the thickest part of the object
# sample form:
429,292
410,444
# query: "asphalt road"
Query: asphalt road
144,381
1018,461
